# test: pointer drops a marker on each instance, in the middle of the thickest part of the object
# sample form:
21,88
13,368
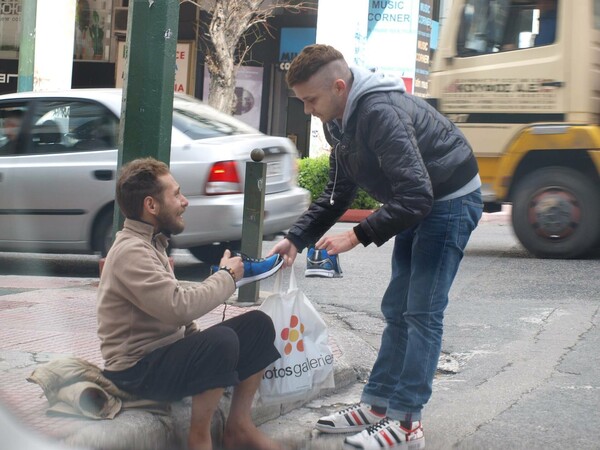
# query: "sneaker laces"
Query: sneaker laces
349,408
246,257
377,426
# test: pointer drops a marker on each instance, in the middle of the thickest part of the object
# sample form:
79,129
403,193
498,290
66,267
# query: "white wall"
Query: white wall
55,34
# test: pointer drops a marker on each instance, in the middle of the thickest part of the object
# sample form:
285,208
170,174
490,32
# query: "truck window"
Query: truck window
597,14
490,26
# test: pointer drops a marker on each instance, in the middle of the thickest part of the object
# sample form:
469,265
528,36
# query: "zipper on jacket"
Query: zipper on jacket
331,200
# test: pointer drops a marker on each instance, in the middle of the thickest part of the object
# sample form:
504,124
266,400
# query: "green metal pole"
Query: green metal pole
27,46
147,109
253,218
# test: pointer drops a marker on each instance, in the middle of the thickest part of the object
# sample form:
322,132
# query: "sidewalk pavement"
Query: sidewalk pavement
43,318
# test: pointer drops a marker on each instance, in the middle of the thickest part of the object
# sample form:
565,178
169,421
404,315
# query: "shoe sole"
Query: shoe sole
319,273
338,430
261,276
419,444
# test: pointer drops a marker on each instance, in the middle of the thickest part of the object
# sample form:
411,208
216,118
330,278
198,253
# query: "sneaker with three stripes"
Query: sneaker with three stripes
389,434
349,420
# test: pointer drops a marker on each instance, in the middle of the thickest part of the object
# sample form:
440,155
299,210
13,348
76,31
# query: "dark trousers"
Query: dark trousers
217,357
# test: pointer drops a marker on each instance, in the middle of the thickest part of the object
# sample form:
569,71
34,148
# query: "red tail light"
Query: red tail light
223,179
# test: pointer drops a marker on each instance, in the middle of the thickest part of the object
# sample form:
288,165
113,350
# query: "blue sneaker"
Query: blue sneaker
255,269
321,264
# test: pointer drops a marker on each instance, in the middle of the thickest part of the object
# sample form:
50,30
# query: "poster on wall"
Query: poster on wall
92,29
10,28
248,90
184,61
423,49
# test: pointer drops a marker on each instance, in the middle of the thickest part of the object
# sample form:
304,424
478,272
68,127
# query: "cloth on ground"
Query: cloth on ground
77,387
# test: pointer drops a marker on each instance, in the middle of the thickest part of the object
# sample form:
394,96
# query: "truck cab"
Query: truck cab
521,78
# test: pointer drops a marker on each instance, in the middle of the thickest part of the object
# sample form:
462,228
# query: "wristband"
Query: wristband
230,270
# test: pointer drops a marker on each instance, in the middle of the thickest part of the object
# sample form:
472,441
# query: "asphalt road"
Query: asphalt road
520,367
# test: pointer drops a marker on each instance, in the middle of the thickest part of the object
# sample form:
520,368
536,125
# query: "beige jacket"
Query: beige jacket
141,305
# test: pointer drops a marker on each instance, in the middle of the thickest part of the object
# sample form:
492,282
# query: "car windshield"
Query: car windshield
199,121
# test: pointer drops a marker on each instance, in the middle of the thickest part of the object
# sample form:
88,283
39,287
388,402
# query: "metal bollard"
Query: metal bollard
254,213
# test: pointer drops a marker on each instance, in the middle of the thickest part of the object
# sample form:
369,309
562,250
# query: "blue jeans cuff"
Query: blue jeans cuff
398,414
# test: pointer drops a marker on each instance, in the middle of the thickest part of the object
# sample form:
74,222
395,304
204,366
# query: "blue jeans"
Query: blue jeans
425,260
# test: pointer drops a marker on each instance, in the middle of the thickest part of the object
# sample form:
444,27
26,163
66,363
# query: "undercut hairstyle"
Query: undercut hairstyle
137,180
309,61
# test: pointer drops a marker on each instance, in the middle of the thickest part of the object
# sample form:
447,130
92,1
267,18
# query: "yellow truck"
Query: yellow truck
522,80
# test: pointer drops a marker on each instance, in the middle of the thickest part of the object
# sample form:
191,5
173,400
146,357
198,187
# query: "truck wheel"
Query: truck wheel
555,213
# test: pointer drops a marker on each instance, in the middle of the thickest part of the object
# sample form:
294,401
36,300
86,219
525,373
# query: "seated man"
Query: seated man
149,341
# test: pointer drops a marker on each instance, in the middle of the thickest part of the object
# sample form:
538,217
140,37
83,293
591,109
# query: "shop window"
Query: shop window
92,29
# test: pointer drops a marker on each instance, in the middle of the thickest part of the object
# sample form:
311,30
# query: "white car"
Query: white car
57,177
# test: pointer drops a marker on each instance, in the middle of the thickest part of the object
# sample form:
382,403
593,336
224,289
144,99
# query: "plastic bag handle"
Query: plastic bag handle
277,285
277,282
293,283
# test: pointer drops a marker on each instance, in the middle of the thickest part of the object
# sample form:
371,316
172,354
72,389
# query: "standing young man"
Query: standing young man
421,168
149,342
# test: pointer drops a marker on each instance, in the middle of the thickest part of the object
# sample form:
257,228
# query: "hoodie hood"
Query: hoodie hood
366,82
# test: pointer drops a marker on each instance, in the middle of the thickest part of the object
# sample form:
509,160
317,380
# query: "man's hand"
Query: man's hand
234,263
338,243
287,250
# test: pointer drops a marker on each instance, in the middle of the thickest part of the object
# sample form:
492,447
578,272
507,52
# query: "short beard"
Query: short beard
168,227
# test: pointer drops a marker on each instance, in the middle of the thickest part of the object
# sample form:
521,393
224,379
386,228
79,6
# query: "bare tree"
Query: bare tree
234,27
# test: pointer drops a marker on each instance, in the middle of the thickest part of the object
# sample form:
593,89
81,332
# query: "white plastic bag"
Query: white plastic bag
306,363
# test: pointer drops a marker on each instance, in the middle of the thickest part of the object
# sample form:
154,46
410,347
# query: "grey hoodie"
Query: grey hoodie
365,81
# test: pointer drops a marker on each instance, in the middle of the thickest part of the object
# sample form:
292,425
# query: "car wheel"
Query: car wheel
102,237
555,213
211,254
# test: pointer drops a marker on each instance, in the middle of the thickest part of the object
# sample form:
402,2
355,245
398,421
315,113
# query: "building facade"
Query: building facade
367,32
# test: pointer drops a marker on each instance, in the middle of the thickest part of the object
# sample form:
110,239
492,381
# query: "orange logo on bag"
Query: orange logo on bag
293,335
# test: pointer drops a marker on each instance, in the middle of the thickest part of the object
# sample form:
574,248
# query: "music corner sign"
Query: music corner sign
184,61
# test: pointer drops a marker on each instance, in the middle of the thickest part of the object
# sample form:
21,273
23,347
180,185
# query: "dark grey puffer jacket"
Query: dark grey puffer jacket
402,152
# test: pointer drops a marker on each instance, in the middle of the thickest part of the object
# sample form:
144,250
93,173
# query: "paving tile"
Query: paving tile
43,318
38,282
10,291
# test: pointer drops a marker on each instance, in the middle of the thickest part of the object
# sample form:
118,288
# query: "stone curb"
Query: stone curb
142,430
